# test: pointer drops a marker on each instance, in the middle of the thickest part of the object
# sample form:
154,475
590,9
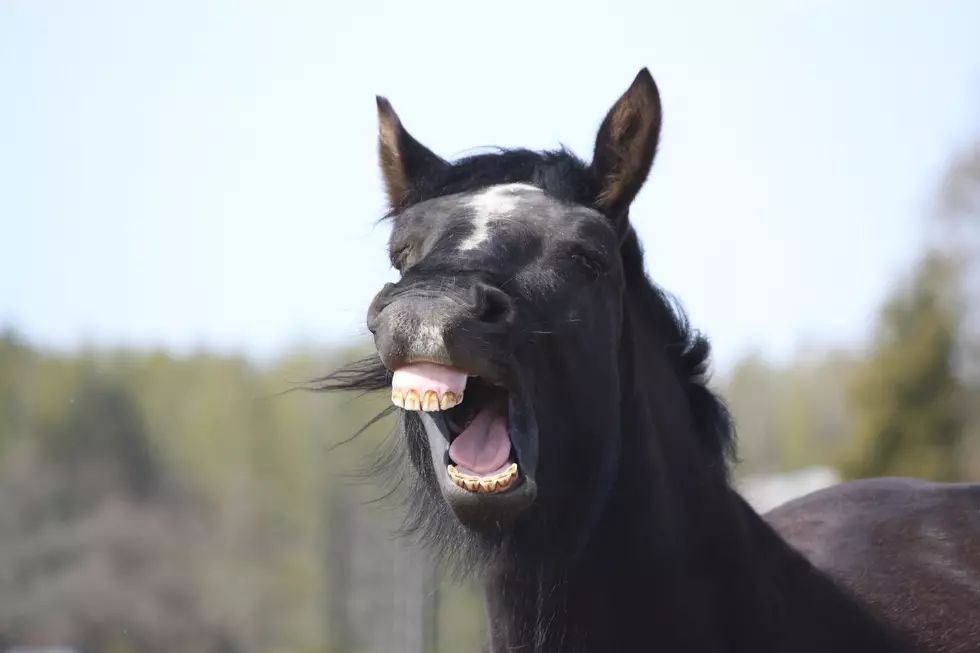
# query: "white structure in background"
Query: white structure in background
766,491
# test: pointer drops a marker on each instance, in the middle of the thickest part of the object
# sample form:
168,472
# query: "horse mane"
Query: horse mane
689,352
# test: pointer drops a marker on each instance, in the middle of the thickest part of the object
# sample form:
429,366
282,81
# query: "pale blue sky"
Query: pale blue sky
194,174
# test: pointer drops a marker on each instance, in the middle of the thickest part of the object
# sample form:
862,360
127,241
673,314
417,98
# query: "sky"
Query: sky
202,174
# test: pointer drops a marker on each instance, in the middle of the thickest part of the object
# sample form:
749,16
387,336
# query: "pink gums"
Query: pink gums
423,377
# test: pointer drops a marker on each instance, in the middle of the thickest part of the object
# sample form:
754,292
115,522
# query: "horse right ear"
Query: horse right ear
625,147
404,161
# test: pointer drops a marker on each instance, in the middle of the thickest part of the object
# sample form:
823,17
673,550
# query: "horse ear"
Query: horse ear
625,146
404,161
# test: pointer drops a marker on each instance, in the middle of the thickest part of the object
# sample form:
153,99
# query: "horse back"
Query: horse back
909,548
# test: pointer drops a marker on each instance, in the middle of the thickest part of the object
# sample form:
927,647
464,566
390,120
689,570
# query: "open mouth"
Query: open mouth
472,417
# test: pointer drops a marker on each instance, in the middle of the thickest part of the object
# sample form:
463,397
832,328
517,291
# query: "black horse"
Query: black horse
564,445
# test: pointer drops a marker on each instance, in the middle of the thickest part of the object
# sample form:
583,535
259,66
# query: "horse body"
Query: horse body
553,409
910,548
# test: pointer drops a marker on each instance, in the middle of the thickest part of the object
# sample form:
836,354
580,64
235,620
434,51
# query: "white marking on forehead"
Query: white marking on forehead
495,203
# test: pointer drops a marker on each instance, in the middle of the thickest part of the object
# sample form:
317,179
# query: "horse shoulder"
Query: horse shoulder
910,548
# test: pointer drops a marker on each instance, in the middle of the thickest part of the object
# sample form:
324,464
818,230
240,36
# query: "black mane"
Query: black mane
560,173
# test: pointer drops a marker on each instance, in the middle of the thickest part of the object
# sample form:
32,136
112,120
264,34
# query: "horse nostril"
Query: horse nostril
493,305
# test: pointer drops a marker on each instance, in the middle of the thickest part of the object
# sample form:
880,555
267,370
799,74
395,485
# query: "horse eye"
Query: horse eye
592,263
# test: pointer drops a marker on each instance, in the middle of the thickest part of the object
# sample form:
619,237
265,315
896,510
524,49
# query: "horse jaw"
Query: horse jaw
479,511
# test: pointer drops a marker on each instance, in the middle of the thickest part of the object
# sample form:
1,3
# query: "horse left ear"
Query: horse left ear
404,161
625,147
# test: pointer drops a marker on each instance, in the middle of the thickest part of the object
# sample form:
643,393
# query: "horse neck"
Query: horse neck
677,562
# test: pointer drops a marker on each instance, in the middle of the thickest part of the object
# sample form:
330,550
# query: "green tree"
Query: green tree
958,230
792,414
907,400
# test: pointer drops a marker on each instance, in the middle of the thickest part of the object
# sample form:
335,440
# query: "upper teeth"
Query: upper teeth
428,400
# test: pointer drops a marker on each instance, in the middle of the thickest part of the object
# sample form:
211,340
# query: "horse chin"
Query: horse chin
486,512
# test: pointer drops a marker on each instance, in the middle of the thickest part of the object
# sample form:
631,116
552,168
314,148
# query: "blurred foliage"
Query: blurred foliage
909,402
155,504
789,417
910,405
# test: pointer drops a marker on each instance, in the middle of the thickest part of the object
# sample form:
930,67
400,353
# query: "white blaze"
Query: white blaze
495,203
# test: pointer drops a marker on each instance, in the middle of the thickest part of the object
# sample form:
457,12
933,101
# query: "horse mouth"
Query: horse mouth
483,446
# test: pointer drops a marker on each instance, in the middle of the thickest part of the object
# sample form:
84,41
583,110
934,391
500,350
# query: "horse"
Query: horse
554,421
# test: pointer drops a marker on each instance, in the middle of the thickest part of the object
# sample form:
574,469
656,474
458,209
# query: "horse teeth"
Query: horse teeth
428,401
494,484
412,401
448,401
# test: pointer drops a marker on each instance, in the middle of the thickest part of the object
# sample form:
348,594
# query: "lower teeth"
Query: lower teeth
491,485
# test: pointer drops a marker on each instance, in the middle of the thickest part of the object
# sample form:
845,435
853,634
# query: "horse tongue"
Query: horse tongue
484,446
